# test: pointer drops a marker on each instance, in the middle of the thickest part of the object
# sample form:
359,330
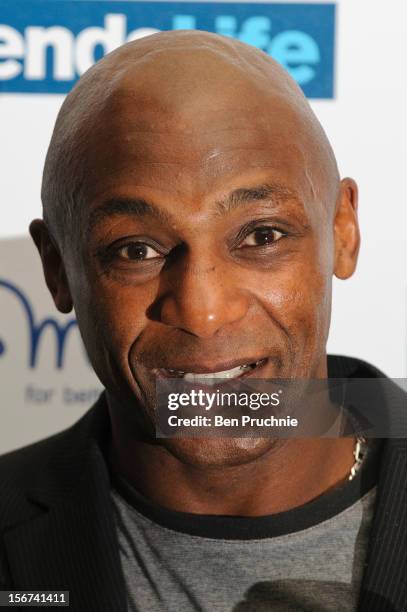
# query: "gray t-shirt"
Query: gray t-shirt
307,559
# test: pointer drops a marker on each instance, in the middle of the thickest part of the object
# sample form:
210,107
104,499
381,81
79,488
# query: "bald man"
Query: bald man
194,218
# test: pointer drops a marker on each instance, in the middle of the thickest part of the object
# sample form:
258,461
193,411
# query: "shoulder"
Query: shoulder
43,464
343,366
19,469
20,464
377,401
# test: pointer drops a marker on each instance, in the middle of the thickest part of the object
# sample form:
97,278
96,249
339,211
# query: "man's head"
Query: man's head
194,219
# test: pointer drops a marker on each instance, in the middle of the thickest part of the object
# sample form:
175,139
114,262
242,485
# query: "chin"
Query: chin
218,452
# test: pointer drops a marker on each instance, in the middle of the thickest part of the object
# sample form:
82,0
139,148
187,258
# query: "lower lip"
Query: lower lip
161,373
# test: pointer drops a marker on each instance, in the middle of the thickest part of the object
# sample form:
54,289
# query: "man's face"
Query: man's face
207,246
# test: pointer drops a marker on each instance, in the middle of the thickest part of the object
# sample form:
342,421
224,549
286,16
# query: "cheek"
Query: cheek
111,318
121,312
297,297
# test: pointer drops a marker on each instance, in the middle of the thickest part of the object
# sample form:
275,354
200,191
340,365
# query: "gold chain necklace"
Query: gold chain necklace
359,453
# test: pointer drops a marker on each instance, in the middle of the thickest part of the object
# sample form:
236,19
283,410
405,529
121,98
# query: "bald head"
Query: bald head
184,81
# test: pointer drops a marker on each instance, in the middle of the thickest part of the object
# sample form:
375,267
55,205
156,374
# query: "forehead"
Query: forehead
190,144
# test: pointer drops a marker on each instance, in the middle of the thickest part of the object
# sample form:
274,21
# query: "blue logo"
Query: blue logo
46,45
36,328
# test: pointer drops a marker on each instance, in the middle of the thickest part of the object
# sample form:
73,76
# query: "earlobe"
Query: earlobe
53,265
346,229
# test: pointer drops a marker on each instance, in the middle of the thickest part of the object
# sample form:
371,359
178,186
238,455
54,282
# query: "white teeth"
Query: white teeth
225,375
212,378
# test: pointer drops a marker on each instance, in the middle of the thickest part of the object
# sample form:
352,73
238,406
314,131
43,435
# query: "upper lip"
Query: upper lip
208,367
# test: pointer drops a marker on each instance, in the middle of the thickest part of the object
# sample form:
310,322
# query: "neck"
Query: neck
245,477
291,473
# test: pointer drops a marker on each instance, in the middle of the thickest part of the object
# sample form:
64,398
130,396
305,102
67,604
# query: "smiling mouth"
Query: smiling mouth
213,378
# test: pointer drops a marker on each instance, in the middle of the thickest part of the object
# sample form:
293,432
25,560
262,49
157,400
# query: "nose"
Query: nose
202,299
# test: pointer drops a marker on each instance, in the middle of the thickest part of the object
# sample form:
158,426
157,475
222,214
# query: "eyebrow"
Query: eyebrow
139,207
136,207
274,192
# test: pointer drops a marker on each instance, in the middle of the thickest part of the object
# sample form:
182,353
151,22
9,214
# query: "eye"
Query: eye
138,251
262,236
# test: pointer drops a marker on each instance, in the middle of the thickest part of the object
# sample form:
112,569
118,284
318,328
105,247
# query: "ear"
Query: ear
346,229
53,266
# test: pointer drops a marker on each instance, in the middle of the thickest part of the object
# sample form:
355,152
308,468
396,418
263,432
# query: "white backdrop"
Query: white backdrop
367,128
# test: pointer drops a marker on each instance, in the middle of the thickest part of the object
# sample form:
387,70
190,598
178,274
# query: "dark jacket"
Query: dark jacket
57,530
